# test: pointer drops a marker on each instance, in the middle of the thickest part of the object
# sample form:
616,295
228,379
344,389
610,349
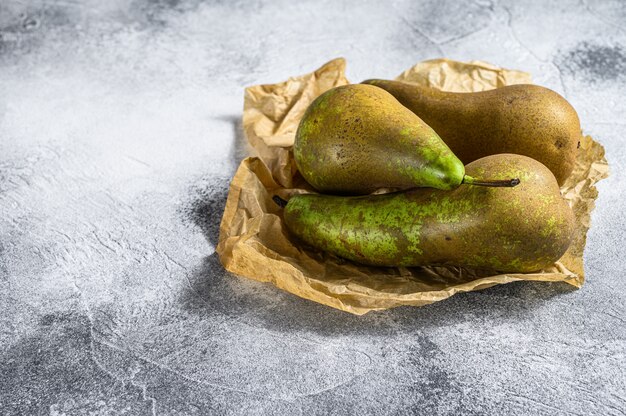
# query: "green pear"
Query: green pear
357,138
520,229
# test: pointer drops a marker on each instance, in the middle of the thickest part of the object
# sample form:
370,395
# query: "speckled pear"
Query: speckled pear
358,138
520,229
524,119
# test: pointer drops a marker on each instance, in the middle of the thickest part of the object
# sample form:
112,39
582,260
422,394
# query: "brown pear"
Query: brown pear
523,119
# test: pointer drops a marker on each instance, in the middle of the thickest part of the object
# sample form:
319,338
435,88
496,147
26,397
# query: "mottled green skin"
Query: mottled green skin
520,229
524,119
358,138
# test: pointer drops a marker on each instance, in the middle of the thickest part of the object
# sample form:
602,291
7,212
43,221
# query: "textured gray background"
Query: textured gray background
119,131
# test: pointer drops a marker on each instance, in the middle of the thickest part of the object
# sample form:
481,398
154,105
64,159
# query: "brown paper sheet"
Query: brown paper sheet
254,242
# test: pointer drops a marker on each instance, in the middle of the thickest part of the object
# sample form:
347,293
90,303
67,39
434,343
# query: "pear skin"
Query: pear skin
520,229
357,138
524,119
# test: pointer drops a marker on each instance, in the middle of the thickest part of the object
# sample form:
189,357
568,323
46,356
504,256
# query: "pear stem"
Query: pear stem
279,201
496,183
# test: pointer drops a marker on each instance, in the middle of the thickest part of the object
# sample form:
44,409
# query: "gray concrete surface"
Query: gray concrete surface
119,131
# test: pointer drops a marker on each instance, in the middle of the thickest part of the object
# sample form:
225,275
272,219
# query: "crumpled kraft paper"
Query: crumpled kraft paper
255,243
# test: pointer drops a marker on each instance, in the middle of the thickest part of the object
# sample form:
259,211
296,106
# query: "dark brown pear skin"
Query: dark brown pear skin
520,229
524,119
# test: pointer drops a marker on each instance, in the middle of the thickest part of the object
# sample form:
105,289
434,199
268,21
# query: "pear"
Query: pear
520,229
357,138
524,119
